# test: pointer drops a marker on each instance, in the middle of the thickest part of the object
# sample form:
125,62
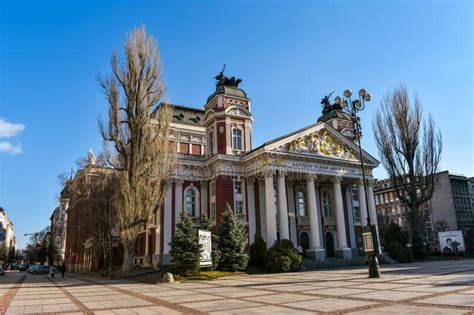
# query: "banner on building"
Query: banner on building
206,252
449,241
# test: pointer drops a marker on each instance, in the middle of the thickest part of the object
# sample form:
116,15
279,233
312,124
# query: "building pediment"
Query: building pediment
319,141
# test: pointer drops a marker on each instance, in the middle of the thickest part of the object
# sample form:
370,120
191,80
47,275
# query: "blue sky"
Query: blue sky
288,53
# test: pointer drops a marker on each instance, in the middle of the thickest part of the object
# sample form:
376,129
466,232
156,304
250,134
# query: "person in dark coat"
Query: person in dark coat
63,269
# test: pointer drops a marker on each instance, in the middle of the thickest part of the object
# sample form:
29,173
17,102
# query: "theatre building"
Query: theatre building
305,186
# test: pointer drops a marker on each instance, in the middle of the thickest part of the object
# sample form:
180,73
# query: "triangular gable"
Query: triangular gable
319,140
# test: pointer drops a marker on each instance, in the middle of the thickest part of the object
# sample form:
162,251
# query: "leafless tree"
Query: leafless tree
136,135
410,150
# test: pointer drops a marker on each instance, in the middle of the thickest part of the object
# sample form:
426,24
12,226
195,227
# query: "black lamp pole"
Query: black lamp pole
353,107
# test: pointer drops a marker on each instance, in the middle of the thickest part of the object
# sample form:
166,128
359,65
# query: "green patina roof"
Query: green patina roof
228,90
334,114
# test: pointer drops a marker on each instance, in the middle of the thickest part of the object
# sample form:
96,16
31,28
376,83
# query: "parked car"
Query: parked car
23,267
41,269
2,271
30,270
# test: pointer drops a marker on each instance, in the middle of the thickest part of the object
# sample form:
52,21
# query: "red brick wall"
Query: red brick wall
184,148
224,195
221,138
196,149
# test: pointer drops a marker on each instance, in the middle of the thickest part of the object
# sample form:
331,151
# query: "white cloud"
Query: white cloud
8,129
7,147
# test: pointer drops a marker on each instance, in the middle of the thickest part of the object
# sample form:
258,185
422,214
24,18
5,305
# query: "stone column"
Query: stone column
167,222
341,222
203,199
147,245
372,209
263,218
156,254
251,209
178,202
315,251
350,215
269,214
362,203
292,211
283,207
228,133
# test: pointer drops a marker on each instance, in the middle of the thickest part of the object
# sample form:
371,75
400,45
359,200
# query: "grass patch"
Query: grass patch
210,275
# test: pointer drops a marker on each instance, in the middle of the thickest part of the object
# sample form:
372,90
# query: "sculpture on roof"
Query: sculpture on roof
222,80
327,107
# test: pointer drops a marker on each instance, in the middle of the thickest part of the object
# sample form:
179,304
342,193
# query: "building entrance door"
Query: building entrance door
329,245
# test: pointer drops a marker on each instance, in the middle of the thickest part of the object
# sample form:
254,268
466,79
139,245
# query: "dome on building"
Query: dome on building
334,114
228,90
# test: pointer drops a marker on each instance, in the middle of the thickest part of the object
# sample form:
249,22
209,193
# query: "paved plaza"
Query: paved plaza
443,287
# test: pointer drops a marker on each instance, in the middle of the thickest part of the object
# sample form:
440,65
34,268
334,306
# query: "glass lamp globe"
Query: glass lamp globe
356,104
347,93
338,100
362,93
367,97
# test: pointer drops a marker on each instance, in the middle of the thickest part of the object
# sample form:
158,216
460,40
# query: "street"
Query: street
442,287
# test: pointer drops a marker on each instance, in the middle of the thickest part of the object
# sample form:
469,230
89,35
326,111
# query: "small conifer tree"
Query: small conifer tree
185,248
232,242
208,224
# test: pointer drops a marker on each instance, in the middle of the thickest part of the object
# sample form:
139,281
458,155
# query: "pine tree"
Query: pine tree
185,248
208,224
232,242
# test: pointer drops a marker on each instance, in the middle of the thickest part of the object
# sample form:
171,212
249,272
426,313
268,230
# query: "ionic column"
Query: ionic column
147,244
282,207
292,211
350,215
269,214
263,218
203,199
178,202
251,209
362,203
372,208
341,222
167,222
314,223
157,235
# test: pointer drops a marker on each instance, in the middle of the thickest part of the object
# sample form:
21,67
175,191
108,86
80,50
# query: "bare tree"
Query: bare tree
410,150
138,129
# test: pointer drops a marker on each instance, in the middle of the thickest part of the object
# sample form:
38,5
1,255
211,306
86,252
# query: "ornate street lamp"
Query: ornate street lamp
353,107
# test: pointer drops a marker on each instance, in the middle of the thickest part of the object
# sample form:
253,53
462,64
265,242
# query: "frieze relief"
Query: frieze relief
319,143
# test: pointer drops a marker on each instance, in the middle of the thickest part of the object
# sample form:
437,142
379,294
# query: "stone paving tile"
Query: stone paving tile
159,295
381,286
196,297
432,288
338,291
390,295
329,304
409,310
450,299
286,287
279,298
262,310
140,310
222,305
243,293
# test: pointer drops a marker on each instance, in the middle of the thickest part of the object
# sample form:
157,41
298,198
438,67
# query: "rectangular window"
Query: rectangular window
210,145
213,188
239,207
238,188
213,212
237,139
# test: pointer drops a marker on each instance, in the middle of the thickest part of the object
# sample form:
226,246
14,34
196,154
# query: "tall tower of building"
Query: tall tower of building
228,119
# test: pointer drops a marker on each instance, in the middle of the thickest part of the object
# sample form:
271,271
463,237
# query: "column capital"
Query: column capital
282,174
202,182
269,174
360,181
337,179
178,181
311,177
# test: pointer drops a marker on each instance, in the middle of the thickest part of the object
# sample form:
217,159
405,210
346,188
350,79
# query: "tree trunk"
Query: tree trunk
128,250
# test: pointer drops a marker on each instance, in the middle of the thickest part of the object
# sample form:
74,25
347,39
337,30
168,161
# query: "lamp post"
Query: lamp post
353,107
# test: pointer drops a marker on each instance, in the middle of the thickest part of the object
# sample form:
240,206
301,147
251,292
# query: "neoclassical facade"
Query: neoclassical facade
305,186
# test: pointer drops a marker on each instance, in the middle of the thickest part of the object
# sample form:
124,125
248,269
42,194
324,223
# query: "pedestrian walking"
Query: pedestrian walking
51,272
63,269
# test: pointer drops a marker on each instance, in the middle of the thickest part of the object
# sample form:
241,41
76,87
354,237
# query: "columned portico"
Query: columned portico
269,214
345,251
282,207
315,251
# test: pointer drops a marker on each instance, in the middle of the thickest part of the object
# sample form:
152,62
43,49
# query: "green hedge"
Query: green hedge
282,257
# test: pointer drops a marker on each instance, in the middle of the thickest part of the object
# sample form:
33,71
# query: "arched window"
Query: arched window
237,139
210,142
301,204
190,202
326,201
